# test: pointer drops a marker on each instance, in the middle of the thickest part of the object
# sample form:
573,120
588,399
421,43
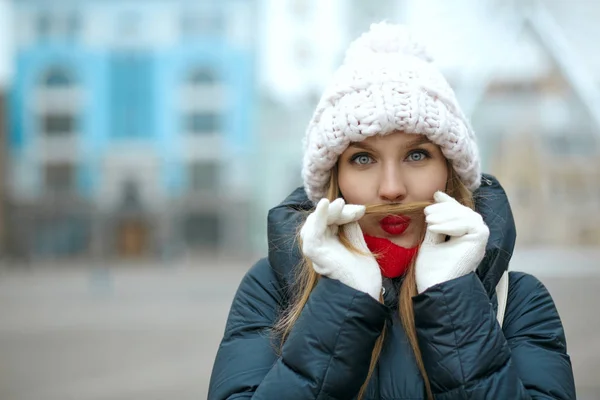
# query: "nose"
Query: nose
392,187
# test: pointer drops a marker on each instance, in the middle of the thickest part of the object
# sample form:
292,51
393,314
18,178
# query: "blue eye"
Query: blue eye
362,159
418,155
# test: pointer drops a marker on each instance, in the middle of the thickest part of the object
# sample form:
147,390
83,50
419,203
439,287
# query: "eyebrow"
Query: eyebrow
359,145
420,139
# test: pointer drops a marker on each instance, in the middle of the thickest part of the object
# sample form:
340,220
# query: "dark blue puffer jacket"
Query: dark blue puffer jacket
466,353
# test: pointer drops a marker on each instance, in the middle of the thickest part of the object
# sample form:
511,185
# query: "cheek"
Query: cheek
356,187
423,187
437,185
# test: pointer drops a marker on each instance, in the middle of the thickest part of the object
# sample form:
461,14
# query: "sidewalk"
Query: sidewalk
151,331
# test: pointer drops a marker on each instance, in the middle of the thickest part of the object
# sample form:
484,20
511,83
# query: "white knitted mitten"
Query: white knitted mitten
320,243
439,260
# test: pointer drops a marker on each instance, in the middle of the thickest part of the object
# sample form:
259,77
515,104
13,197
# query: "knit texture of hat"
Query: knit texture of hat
386,83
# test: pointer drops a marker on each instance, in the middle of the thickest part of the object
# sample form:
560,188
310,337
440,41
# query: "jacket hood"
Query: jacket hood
491,202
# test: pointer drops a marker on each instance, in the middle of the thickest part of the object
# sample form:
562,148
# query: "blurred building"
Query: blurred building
131,127
152,127
542,131
554,186
6,72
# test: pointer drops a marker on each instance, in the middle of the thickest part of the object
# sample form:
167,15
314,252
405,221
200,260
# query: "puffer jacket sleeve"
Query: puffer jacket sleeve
468,355
326,355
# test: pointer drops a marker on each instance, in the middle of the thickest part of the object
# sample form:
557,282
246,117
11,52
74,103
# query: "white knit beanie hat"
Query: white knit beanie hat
385,84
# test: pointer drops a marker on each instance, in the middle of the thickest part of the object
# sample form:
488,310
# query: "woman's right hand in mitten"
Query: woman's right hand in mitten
330,258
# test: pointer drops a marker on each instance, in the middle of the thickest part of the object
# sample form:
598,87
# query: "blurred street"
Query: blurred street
151,331
136,332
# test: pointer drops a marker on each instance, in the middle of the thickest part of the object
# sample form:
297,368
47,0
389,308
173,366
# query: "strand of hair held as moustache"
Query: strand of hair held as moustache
414,209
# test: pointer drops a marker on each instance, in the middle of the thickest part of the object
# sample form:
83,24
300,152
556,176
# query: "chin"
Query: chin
407,242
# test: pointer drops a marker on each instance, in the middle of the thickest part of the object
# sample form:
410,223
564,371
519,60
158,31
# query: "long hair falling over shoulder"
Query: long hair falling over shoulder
306,278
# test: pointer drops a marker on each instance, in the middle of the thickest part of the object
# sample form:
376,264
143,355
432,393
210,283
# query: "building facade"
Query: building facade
131,126
543,135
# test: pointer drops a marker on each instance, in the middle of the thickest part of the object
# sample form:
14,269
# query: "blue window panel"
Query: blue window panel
203,123
13,121
43,24
131,98
203,76
58,77
209,21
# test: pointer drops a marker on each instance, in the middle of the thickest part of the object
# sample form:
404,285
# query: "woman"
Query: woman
390,291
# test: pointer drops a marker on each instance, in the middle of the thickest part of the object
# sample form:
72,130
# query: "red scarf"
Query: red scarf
393,260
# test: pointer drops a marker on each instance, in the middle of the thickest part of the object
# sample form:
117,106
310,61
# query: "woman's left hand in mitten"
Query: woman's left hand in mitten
440,260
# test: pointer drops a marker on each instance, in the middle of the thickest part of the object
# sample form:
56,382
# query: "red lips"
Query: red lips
395,224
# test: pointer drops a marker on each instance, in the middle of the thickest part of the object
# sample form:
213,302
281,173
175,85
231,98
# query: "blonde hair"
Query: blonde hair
307,278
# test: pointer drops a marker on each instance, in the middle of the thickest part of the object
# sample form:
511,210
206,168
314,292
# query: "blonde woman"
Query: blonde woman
387,273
